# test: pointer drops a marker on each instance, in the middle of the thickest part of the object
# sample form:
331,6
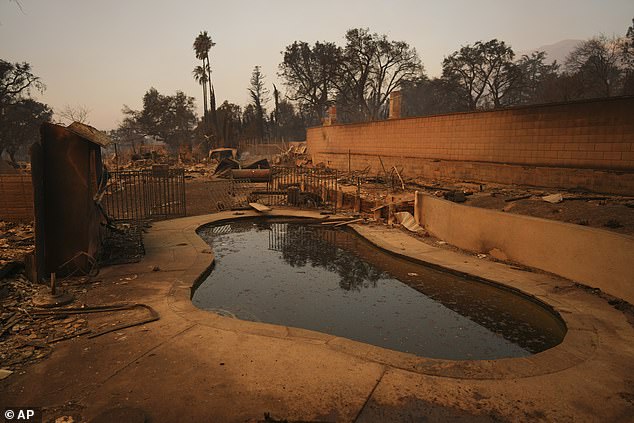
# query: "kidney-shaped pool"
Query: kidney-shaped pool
310,276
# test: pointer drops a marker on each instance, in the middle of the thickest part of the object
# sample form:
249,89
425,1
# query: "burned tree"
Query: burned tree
20,116
259,98
169,117
309,74
483,73
372,67
598,62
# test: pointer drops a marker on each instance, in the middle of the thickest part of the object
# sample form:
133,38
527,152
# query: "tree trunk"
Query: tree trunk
212,102
204,84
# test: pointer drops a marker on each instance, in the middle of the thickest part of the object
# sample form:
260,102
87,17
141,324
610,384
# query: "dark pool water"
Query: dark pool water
330,280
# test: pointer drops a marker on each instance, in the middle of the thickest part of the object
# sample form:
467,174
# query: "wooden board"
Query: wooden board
348,222
260,207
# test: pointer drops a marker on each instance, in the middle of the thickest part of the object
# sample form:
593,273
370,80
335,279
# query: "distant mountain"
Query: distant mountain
557,51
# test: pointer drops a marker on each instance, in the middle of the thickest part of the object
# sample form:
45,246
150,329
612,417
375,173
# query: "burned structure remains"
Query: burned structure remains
68,176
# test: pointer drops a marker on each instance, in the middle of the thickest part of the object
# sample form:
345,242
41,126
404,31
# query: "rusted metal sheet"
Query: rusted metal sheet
89,133
258,164
225,164
254,175
67,175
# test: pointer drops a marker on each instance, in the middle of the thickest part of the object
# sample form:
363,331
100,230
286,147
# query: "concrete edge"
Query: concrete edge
577,346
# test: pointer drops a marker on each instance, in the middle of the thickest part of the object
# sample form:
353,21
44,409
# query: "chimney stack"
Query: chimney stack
395,105
331,118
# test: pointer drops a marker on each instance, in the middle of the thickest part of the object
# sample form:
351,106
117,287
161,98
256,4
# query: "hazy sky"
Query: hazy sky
103,54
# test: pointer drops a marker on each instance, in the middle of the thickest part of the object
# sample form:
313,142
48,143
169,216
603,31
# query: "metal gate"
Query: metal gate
303,187
135,195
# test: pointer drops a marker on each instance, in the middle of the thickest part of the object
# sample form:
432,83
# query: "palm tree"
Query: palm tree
200,75
202,45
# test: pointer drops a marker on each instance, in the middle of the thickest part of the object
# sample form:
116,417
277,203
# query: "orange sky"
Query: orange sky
103,54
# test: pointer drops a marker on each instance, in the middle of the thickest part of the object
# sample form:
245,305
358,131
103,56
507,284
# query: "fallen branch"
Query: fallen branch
383,167
399,177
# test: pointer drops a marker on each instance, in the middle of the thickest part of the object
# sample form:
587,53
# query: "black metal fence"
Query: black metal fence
134,195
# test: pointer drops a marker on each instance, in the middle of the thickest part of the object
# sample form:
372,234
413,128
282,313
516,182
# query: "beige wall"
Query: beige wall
558,145
594,257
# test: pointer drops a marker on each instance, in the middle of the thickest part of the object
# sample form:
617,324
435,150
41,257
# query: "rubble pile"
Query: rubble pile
122,243
139,160
16,240
295,155
200,170
25,337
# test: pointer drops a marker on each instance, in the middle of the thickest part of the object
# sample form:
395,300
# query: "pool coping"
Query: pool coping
579,344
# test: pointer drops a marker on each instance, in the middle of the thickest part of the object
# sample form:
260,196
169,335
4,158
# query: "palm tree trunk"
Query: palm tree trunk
212,109
204,104
204,84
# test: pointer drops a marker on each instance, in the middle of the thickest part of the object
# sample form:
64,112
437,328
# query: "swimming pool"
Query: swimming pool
306,275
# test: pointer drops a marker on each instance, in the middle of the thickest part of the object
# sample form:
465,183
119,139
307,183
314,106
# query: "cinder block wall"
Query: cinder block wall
16,198
587,144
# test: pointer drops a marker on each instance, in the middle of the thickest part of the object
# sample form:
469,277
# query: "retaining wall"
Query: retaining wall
16,197
587,144
594,257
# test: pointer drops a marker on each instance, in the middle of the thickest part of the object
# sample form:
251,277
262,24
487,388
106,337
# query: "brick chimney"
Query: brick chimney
331,118
395,105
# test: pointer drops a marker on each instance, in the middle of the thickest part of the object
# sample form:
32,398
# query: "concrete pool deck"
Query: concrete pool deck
193,365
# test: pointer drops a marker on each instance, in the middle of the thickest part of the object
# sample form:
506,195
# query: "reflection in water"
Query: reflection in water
330,280
302,244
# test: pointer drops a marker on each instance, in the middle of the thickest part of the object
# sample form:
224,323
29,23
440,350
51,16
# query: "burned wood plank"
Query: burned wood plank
334,221
347,222
260,207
